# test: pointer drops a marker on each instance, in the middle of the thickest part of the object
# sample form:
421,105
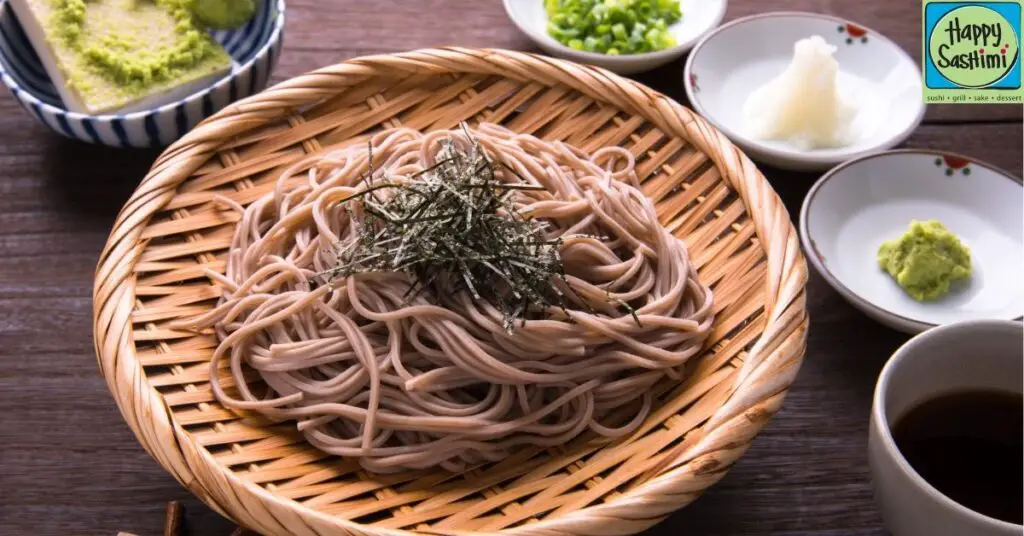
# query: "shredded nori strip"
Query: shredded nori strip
455,228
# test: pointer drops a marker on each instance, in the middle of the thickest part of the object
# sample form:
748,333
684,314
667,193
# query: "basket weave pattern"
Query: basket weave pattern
265,477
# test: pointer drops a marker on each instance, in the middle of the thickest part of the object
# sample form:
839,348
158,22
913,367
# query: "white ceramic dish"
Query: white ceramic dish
981,355
732,61
855,207
699,18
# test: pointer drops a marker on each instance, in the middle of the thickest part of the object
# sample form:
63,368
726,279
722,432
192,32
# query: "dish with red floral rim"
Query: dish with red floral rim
858,205
875,74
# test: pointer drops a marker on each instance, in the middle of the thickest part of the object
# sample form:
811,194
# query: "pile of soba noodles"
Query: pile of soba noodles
442,376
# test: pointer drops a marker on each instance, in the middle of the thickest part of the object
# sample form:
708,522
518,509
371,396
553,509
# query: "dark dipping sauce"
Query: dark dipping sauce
968,446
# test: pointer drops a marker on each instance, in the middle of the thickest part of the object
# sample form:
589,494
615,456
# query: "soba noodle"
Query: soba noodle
439,380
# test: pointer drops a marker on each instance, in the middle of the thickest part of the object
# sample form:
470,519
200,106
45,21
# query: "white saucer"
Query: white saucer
699,18
855,207
732,61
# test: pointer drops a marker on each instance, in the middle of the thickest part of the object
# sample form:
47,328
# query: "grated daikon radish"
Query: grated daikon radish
803,105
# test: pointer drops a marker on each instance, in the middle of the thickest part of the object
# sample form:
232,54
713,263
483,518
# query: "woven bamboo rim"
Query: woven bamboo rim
264,477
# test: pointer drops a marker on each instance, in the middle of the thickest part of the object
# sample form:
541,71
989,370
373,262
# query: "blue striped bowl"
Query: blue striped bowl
255,47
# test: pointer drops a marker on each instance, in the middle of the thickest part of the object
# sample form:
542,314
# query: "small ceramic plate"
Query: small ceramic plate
699,18
254,47
855,207
737,58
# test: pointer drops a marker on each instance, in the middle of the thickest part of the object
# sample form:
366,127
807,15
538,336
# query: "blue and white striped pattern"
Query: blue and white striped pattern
255,47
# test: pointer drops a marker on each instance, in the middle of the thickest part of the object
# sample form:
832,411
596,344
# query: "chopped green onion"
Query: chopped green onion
619,31
613,26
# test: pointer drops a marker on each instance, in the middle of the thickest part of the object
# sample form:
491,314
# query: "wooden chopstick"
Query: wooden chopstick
172,523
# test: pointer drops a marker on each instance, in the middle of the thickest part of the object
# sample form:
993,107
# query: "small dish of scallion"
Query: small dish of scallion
623,36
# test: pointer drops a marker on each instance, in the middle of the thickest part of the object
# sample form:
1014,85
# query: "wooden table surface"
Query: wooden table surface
69,465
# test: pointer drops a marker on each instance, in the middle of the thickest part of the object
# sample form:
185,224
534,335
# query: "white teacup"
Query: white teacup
973,355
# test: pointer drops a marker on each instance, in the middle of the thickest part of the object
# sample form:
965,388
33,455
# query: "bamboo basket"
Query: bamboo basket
266,478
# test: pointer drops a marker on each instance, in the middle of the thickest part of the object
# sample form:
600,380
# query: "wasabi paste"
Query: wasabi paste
223,14
133,44
926,260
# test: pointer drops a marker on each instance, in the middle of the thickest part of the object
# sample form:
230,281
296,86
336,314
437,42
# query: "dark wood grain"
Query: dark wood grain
69,465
